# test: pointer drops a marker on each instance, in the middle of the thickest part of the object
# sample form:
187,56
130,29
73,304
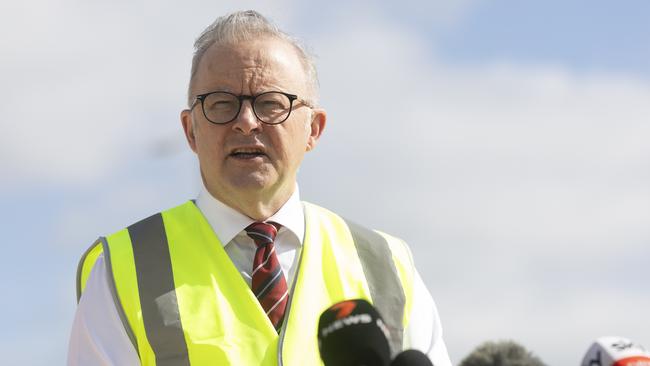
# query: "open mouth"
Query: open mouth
247,153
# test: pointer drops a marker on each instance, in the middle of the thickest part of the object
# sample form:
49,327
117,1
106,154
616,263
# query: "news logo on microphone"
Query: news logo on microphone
352,333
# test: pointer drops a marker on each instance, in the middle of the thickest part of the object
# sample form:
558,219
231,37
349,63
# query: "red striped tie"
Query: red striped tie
269,284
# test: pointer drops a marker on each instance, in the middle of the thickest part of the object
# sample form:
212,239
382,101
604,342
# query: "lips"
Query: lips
247,152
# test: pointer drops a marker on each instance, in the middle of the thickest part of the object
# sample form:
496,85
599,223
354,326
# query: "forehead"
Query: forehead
250,67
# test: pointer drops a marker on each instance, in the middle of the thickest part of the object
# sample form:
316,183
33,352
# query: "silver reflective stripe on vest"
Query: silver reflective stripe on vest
384,283
157,290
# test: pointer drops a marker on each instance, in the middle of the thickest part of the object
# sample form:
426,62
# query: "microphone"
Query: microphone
616,351
352,333
411,357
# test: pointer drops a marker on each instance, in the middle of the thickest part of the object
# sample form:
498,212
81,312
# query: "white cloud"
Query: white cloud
494,173
87,85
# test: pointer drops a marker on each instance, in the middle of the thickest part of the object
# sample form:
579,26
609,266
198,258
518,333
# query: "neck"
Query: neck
258,205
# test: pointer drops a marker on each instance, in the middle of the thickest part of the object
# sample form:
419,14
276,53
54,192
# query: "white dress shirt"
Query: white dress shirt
98,336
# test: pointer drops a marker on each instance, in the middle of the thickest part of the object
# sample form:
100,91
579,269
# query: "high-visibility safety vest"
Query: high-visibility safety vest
183,302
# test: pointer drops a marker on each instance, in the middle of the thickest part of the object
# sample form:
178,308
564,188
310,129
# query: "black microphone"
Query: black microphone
352,333
411,357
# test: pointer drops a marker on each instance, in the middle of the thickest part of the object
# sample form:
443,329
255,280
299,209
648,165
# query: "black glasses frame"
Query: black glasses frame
242,98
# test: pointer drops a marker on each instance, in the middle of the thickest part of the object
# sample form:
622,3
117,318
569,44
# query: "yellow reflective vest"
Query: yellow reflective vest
183,302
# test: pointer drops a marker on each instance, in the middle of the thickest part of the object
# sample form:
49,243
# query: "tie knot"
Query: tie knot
262,233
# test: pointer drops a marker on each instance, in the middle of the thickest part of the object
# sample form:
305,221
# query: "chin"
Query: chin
253,182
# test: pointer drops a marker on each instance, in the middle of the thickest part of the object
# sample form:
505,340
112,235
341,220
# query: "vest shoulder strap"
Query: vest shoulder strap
384,283
157,290
86,263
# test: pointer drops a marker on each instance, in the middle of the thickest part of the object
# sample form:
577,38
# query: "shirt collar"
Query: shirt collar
226,222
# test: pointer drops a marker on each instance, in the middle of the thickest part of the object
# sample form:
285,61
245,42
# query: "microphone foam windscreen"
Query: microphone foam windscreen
411,357
352,333
616,351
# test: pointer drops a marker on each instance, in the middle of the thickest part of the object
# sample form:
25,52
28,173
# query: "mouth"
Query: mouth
246,153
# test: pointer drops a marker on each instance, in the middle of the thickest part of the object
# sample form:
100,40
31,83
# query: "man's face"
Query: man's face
246,160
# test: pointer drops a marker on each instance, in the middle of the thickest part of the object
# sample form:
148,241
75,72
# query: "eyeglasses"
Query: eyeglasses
271,107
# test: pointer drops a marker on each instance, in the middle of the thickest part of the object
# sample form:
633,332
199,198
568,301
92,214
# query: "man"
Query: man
240,275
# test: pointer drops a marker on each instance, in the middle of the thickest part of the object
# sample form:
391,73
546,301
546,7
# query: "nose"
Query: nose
246,122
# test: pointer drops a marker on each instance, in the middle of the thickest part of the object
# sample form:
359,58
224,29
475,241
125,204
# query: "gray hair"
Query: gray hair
503,353
244,26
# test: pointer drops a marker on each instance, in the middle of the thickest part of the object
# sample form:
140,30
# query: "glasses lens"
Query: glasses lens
220,107
272,107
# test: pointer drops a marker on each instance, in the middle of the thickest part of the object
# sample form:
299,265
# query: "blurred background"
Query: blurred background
508,142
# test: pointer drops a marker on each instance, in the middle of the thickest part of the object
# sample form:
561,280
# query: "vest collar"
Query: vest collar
227,222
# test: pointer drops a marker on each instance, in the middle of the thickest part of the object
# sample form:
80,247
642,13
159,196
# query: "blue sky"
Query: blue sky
513,156
596,36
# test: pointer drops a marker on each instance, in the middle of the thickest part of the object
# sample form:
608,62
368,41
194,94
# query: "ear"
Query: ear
318,121
188,127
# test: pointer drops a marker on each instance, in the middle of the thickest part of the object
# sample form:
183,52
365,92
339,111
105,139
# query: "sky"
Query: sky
505,141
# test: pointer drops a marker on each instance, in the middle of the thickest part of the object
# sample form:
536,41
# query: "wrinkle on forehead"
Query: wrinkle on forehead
251,68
